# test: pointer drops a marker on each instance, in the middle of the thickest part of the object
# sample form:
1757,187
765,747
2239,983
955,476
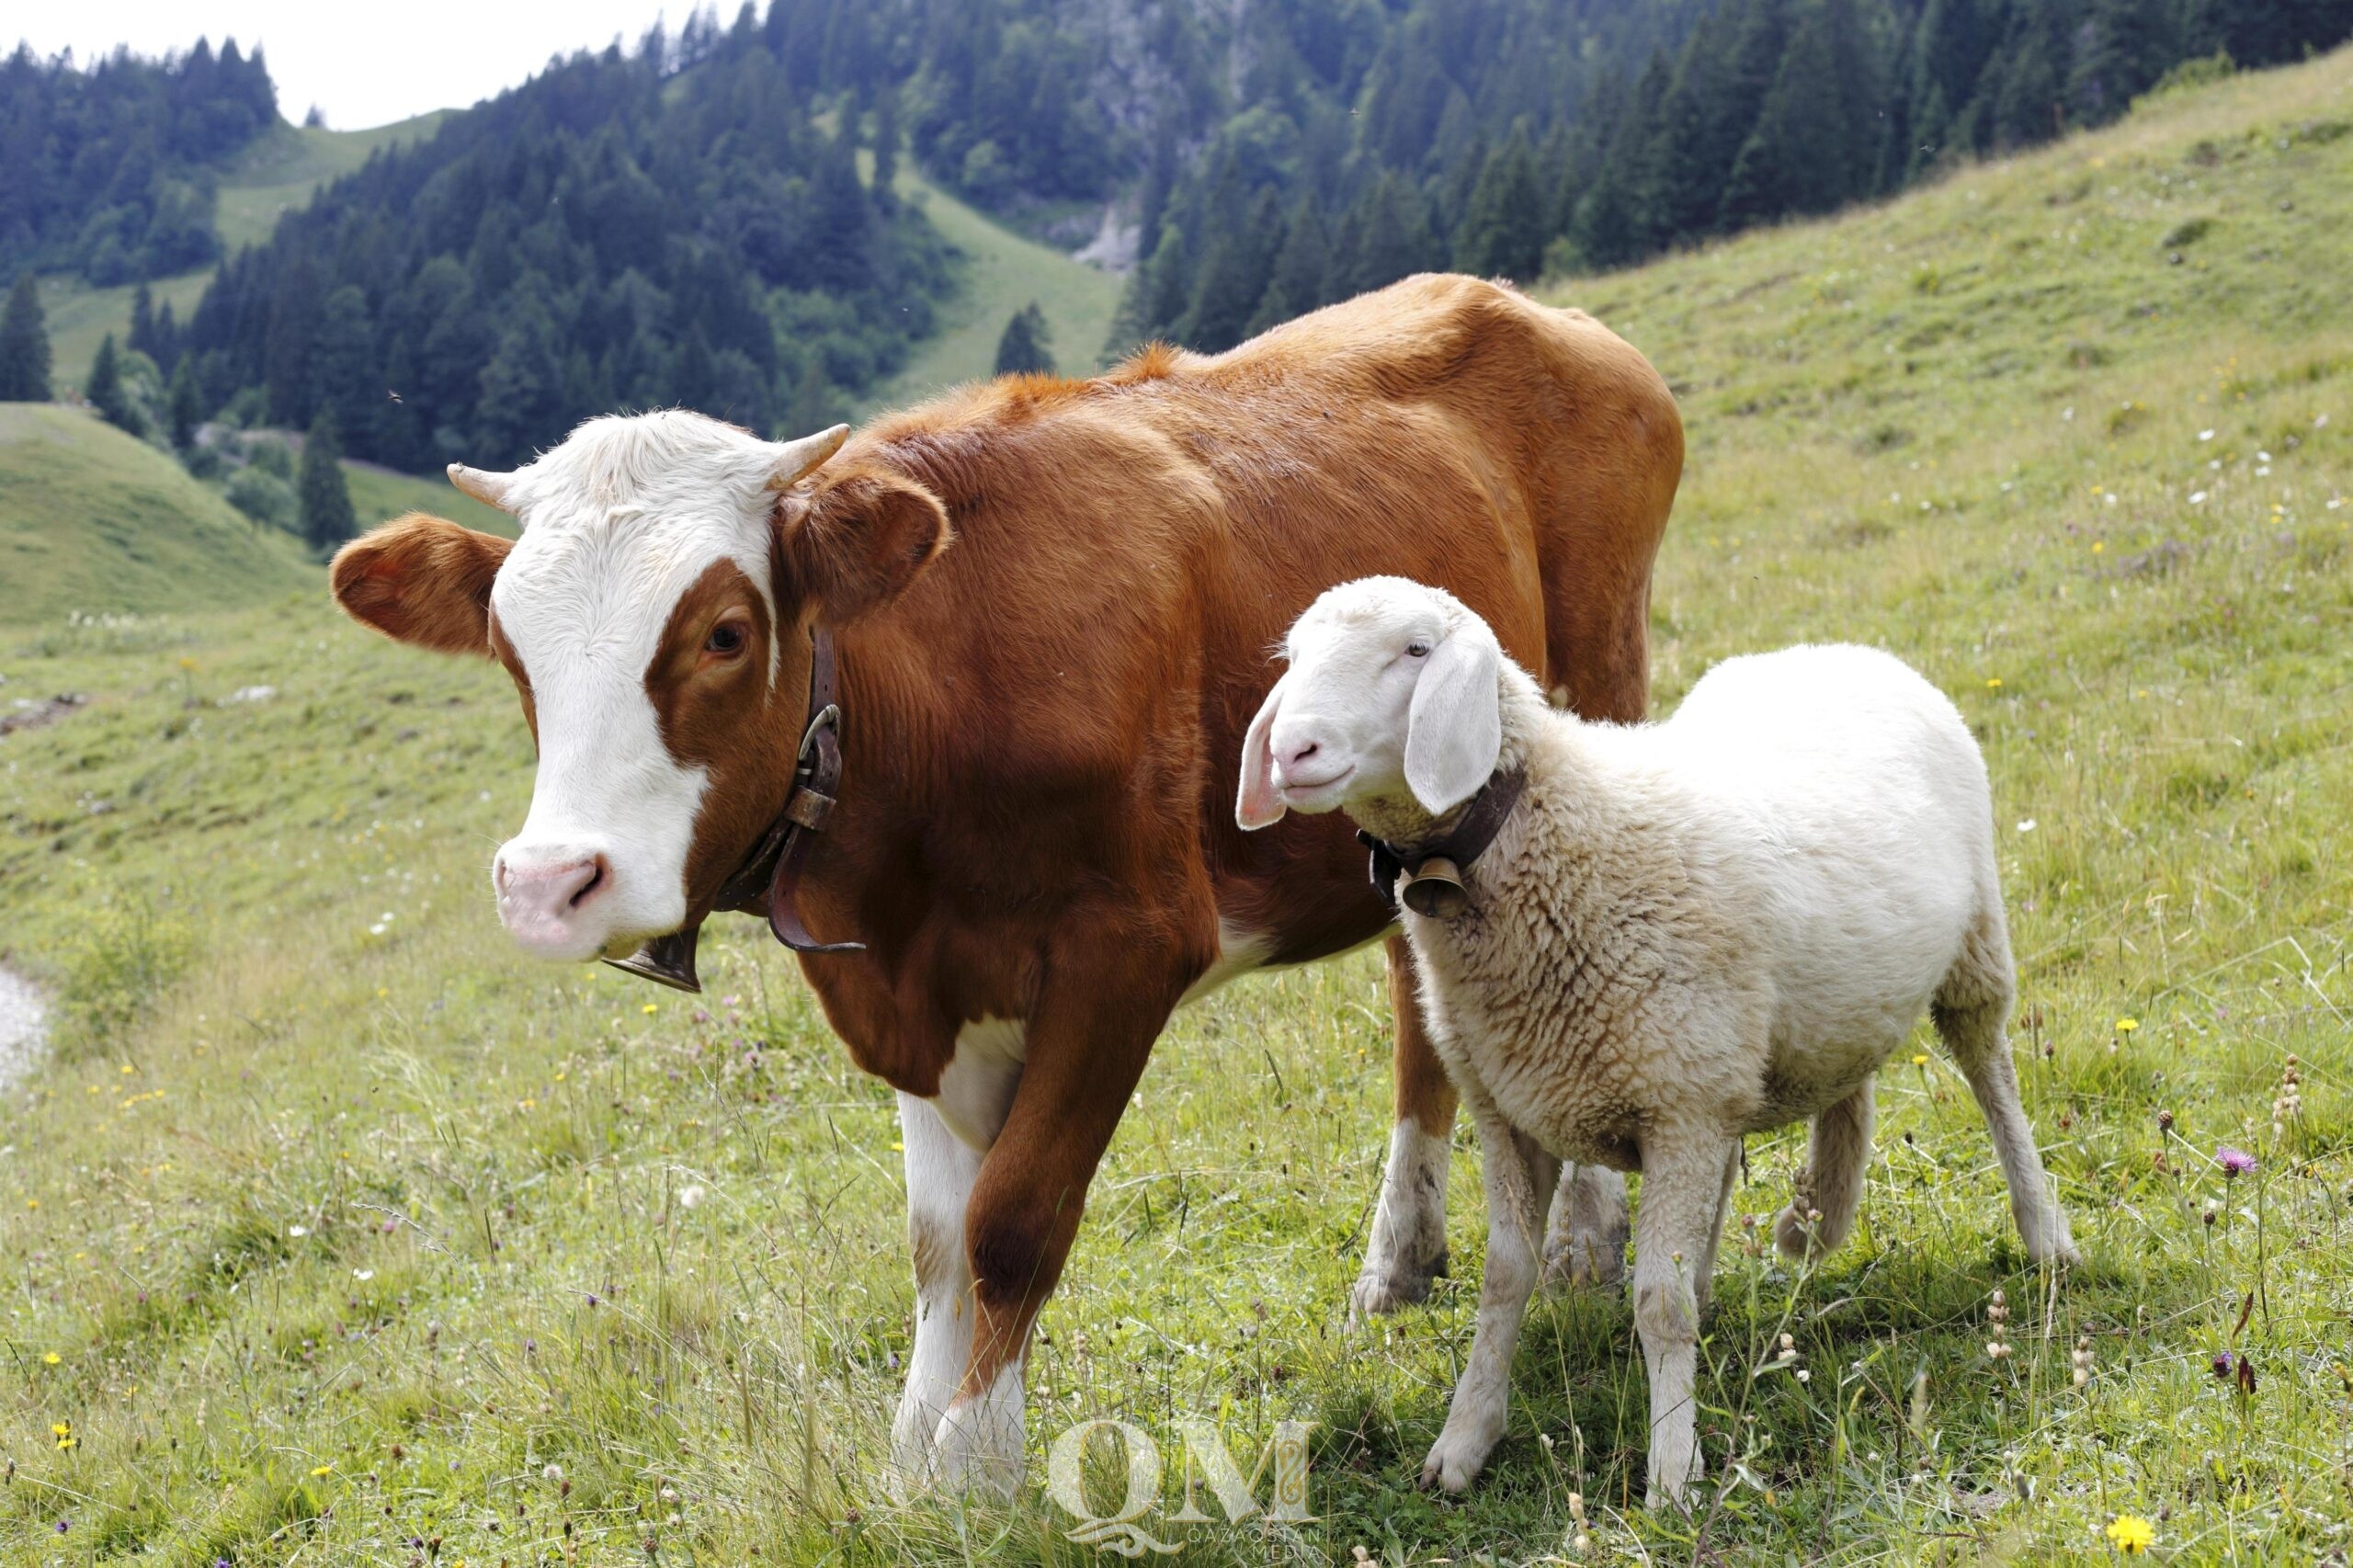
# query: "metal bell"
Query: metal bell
665,960
1435,890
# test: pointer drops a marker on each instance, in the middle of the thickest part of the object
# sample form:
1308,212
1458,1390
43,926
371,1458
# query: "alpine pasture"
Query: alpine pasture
338,1232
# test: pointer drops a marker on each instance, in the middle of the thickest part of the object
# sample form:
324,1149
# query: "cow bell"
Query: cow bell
665,960
1435,890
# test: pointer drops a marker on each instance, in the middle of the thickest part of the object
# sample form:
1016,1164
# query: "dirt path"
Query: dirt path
23,1028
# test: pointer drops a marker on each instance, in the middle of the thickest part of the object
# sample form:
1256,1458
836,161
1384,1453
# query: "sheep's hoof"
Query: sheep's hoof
1382,1290
1456,1459
1800,1238
1583,1260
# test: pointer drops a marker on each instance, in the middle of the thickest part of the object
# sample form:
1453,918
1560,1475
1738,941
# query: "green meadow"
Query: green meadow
336,1233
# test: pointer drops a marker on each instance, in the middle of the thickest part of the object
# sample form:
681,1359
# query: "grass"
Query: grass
344,1224
379,494
94,521
1002,272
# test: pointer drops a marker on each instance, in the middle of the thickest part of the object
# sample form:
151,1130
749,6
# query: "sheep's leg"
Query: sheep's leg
1684,1175
1982,1050
1587,1244
1407,1249
1969,1011
1822,1211
1703,1282
1516,1172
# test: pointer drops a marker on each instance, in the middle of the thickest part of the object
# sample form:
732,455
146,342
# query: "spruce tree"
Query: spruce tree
326,499
106,392
1028,345
1302,266
185,405
24,346
143,322
1502,227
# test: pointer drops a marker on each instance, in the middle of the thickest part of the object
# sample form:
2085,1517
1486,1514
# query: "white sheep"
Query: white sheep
1682,933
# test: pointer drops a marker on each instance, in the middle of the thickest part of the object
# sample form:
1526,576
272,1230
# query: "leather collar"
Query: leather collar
776,863
1433,869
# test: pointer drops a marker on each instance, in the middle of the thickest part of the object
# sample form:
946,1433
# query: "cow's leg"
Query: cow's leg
940,1171
1587,1244
1407,1249
1107,993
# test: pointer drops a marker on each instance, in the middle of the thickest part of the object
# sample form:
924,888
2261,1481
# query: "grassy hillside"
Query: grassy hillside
378,493
277,172
337,1226
92,520
1003,272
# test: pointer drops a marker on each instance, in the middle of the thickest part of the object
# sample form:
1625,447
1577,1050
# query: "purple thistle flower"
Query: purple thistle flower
2234,1161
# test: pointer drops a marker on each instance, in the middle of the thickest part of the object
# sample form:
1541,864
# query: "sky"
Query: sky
363,65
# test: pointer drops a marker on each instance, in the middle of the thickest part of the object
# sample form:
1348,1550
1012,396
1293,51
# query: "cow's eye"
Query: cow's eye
727,639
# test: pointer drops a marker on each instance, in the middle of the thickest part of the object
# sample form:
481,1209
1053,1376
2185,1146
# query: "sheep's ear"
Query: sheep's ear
1261,804
1456,728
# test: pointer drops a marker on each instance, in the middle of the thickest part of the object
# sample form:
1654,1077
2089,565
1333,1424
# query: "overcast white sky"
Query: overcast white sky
363,65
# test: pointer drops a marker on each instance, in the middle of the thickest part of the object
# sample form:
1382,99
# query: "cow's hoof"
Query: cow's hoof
1382,1289
976,1451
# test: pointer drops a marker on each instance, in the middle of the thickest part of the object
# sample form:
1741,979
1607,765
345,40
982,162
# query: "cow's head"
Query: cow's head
654,616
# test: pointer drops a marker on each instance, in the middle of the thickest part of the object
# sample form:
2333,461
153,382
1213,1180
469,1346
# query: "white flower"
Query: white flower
363,1274
2112,497
2263,457
691,1197
2205,434
298,1230
2198,497
553,1472
377,929
2026,825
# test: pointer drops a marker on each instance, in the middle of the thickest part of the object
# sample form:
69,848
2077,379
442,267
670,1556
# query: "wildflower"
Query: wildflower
651,1008
2290,1103
1581,1541
2126,1025
1997,1315
2234,1161
317,1470
2205,434
553,1472
2198,497
2130,1534
63,1432
298,1232
363,1275
2223,1366
2164,1121
51,1359
691,1197
2026,825
2082,1359
1919,1059
1993,683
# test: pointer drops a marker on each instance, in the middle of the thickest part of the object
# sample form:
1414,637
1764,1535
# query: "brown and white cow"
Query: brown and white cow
1054,603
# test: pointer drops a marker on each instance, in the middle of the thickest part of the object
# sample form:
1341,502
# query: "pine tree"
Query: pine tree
1027,344
106,392
1396,241
326,516
24,346
1301,265
1502,227
886,149
186,409
142,324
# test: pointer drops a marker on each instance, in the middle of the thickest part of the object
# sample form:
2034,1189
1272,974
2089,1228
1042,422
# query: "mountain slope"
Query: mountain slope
92,520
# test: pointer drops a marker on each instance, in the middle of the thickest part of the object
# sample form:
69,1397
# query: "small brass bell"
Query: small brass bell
665,960
1435,890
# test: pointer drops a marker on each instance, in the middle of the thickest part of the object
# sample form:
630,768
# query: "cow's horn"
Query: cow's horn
490,489
795,460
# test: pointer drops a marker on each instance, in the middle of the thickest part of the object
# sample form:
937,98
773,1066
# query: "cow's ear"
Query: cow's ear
855,541
423,581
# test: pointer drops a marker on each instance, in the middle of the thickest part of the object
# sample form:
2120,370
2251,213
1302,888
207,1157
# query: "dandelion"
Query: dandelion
1993,683
2126,1025
63,1432
319,1469
2234,1161
2130,1534
651,1008
1919,1059
51,1359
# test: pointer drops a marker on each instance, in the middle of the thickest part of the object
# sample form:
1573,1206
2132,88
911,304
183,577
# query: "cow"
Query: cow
1043,612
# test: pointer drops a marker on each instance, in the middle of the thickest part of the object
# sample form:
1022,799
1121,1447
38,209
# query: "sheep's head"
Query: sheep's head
1393,693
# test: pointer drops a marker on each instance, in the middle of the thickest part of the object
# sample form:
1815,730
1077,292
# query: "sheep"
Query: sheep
1682,933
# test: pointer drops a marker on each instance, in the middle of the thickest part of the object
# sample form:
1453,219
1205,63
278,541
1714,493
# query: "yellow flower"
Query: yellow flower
321,1469
51,1359
2130,1534
649,1009
63,1428
2126,1025
1919,1059
1993,683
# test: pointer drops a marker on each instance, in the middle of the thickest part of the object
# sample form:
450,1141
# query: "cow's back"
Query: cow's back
1132,548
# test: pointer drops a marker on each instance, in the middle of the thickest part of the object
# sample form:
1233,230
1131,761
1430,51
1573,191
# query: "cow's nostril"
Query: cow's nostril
599,872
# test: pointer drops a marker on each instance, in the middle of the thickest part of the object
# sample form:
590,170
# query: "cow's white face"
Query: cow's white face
653,618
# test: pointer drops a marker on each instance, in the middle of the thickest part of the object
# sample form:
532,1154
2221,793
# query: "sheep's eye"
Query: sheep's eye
727,639
1417,648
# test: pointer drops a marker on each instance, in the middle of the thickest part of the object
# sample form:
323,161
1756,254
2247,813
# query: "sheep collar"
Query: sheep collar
776,862
1433,870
